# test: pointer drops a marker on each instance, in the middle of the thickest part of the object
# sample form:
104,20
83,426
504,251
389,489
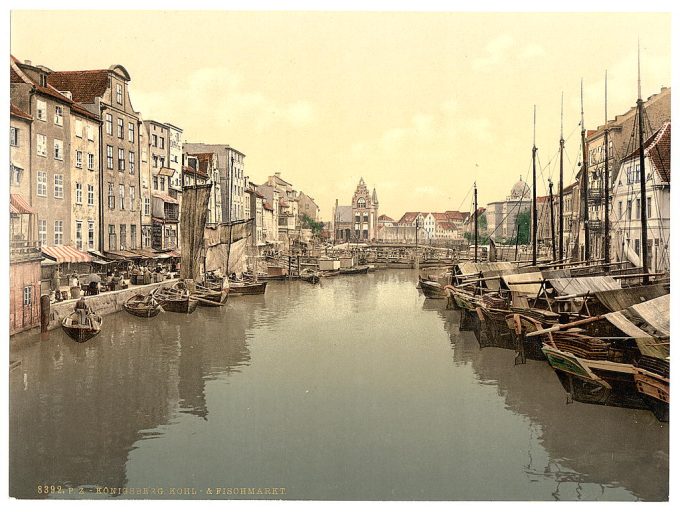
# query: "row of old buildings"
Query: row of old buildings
623,188
91,178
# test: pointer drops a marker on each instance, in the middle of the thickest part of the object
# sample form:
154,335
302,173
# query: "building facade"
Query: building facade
105,92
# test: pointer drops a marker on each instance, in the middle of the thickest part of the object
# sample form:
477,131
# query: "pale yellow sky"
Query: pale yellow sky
419,104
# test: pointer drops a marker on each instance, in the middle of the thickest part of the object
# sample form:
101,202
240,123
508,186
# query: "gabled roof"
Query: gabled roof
408,218
18,76
658,149
385,218
84,86
17,112
449,226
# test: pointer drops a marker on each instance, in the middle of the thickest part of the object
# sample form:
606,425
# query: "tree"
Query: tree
523,229
309,223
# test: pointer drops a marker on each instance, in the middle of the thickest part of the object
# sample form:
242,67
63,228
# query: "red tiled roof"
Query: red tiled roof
449,226
660,153
17,112
408,217
84,86
66,254
18,76
386,218
440,217
83,111
267,206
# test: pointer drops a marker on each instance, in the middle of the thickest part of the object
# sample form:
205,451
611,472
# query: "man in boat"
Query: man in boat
83,310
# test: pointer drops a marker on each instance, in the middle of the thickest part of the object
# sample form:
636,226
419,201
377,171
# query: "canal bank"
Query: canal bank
356,388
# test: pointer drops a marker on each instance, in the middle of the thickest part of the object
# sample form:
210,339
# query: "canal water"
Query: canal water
357,388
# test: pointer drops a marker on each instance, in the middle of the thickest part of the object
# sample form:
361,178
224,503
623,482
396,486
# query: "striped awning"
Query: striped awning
20,204
65,254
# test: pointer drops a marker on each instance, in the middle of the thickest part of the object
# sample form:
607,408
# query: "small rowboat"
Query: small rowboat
310,276
143,306
82,326
243,288
212,295
175,300
355,270
432,290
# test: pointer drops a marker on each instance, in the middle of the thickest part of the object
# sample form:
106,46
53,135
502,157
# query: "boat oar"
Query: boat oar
206,301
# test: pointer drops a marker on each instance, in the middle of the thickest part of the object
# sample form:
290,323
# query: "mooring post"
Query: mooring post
44,315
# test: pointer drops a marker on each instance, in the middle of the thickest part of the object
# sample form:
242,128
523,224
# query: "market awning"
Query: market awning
166,171
121,255
166,198
65,254
20,204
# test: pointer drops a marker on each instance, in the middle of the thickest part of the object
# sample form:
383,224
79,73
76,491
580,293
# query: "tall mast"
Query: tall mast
584,178
643,178
552,222
561,242
606,179
534,210
475,214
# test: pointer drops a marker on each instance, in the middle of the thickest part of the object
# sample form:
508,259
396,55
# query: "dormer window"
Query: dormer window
43,80
119,94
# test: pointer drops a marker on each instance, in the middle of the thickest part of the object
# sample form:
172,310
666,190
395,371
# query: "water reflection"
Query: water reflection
357,388
587,444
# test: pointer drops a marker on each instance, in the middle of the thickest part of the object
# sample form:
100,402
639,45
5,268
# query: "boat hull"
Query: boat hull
432,290
247,288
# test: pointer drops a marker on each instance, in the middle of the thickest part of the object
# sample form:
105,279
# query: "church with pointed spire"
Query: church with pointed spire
358,222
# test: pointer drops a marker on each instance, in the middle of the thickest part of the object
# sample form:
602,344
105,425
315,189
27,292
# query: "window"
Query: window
147,206
90,234
58,149
133,236
112,237
154,140
79,193
109,157
132,162
90,195
120,129
58,232
59,115
79,234
28,295
79,128
155,182
112,198
90,132
132,199
42,184
41,110
13,136
163,183
637,208
649,207
90,161
637,173
162,142
119,94
16,174
41,145
146,236
620,209
121,196
629,207
123,237
79,159
637,246
109,124
59,186
121,159
131,132
42,232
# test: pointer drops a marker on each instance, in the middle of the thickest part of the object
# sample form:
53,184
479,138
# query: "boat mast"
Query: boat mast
534,210
552,221
561,242
584,177
475,217
643,178
606,180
